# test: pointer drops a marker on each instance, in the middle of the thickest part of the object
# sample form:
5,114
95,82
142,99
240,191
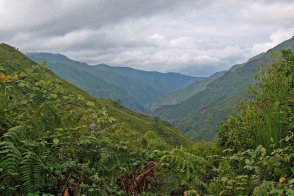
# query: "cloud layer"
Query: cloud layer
195,37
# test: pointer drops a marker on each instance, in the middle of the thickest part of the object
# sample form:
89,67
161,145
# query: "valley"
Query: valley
134,89
146,98
195,105
56,138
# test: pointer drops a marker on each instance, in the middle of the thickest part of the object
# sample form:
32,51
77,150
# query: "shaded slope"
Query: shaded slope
165,82
135,89
181,95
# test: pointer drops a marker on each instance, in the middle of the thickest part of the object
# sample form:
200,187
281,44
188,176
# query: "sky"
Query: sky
193,37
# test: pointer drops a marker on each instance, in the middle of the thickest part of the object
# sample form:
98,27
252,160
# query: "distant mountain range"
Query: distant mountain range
200,107
134,89
195,105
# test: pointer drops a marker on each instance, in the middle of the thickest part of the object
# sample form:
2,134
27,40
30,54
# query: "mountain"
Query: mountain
13,61
134,89
181,95
213,100
56,139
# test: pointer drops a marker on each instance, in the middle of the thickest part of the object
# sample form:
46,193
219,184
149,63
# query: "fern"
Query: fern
189,166
15,134
154,142
31,172
10,161
10,154
20,166
10,157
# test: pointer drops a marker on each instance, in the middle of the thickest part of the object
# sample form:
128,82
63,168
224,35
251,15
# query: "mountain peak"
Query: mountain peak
12,58
8,48
2,45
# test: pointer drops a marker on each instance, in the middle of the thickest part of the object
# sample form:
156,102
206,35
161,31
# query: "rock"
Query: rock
93,127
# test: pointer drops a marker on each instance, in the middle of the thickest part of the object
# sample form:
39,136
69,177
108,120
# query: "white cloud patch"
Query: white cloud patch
275,38
196,37
263,13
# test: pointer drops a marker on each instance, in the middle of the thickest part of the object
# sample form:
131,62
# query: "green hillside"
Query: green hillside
13,61
135,89
55,139
181,95
199,115
258,140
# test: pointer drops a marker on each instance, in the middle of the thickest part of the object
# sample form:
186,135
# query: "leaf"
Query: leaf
90,104
54,96
224,179
247,161
55,141
71,181
291,181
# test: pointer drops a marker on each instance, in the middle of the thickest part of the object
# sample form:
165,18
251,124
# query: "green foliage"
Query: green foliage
199,115
259,155
269,113
205,149
188,166
255,172
53,148
184,94
57,139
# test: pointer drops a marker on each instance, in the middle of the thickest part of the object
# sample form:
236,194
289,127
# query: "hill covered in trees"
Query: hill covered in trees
58,140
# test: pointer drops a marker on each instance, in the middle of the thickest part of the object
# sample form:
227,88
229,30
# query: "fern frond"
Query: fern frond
185,160
192,166
15,134
10,157
31,172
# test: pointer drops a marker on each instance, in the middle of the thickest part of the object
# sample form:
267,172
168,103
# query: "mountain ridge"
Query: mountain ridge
199,116
134,90
181,95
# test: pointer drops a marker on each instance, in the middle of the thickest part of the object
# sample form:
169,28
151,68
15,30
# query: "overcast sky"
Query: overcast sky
194,37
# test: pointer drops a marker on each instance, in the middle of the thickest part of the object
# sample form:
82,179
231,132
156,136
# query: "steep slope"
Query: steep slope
13,61
56,139
181,95
165,82
200,115
135,89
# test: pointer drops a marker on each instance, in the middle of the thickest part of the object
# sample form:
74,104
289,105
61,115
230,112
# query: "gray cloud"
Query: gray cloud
196,37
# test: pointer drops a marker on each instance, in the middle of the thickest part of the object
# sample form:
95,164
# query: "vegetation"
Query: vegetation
259,152
189,91
199,115
58,140
135,88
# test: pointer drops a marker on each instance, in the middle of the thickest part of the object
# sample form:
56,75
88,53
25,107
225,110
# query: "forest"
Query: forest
58,140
